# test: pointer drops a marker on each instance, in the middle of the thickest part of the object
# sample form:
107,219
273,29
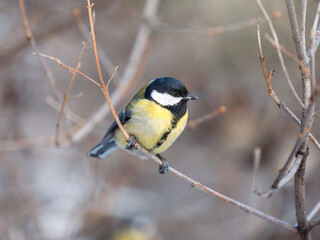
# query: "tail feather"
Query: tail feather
102,150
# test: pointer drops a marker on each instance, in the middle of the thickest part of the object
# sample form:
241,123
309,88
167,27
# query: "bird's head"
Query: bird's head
168,92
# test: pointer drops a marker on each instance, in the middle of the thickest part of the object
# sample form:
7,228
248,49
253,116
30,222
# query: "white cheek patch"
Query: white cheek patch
165,99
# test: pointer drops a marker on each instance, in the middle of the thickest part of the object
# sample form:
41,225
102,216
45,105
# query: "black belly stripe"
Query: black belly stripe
164,137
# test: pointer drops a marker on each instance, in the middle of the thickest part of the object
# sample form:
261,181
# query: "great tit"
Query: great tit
155,118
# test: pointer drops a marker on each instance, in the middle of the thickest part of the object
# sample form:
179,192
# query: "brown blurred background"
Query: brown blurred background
49,192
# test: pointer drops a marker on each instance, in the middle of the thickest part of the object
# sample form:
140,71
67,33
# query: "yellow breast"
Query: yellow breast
148,123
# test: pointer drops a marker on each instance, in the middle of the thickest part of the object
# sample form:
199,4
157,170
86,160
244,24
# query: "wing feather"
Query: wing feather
124,116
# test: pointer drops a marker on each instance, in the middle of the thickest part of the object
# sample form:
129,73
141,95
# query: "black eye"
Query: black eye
176,94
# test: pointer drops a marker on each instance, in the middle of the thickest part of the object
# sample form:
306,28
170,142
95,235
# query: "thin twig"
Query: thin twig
256,166
285,179
220,196
43,63
295,29
211,31
314,211
66,94
313,46
267,76
24,19
313,223
133,70
300,199
194,123
284,169
307,71
316,41
104,59
306,123
59,62
290,55
303,25
52,102
103,87
284,68
195,184
34,45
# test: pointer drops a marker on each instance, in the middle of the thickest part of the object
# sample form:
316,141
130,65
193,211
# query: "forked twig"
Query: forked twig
194,183
307,71
284,68
59,62
104,87
134,68
283,171
66,94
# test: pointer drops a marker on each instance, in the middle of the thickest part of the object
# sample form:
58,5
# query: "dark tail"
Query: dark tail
102,150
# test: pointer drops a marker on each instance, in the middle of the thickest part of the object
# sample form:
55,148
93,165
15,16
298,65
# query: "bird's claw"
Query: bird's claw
131,142
164,167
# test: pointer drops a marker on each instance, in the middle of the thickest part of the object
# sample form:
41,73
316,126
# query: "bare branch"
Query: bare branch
291,56
295,30
314,211
256,166
104,59
131,73
300,199
24,19
284,170
103,87
306,123
194,183
194,123
66,94
284,68
70,115
59,62
284,180
220,196
316,41
303,24
301,139
211,31
313,223
313,45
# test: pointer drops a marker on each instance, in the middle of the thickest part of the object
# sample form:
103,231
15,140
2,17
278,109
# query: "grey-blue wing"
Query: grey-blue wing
124,116
108,144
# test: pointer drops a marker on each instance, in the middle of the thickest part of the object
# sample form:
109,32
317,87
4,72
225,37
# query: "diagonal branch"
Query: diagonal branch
194,123
282,105
284,68
220,196
131,73
103,87
66,94
194,183
283,176
211,31
313,223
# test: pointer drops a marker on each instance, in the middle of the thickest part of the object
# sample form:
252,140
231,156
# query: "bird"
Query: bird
155,118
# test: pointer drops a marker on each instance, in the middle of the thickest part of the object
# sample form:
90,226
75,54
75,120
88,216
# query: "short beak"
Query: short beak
191,97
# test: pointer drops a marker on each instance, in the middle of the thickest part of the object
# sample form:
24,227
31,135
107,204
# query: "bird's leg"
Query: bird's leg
164,167
131,142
